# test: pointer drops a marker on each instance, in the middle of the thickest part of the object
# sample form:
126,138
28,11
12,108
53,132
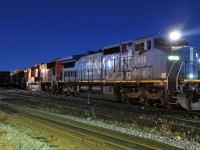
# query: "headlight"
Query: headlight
173,57
191,76
192,88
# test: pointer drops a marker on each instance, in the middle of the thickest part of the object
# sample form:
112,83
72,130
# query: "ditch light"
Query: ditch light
191,76
173,57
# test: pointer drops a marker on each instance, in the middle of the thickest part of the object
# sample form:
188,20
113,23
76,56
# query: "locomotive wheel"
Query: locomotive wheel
147,102
68,93
163,101
124,98
130,100
168,106
142,99
76,93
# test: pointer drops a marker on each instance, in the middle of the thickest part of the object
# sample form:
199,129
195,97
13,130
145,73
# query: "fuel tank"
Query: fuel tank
84,88
97,89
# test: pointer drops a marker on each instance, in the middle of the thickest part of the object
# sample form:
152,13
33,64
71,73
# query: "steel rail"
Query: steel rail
98,136
64,140
97,140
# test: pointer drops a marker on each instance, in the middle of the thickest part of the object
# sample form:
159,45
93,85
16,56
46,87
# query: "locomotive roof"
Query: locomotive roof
152,36
70,57
111,46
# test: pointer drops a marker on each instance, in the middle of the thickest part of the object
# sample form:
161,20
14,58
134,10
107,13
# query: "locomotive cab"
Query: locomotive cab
183,73
188,83
157,70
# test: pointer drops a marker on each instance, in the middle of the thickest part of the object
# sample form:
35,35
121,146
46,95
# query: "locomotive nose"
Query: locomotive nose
182,100
187,103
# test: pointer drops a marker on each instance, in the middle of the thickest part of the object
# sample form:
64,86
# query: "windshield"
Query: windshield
166,44
162,44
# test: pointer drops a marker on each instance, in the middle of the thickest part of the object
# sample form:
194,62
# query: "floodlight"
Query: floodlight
175,35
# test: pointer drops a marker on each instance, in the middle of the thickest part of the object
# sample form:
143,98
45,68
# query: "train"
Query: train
4,78
151,70
17,79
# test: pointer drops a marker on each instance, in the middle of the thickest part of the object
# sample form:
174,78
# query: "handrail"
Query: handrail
169,74
178,75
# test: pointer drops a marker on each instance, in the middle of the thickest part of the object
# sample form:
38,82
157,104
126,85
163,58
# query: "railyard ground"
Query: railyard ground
13,136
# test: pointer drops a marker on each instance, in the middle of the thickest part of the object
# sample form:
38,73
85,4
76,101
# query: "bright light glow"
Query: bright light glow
197,55
109,64
192,32
191,76
173,57
175,35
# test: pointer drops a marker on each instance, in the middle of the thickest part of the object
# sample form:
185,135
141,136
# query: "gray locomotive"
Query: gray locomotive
151,70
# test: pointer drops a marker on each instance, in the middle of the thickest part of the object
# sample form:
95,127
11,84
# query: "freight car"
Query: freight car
18,79
4,78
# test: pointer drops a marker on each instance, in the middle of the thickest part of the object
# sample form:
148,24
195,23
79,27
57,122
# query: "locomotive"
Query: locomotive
4,78
151,70
17,79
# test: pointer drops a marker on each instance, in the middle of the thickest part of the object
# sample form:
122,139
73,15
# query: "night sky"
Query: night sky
35,31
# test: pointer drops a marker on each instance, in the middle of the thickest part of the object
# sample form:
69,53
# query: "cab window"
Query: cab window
143,46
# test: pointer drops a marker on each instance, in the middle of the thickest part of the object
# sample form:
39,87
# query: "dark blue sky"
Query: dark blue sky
34,31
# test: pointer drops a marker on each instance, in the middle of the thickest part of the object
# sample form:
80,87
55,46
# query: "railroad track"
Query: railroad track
189,127
118,106
114,104
90,136
83,105
64,141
